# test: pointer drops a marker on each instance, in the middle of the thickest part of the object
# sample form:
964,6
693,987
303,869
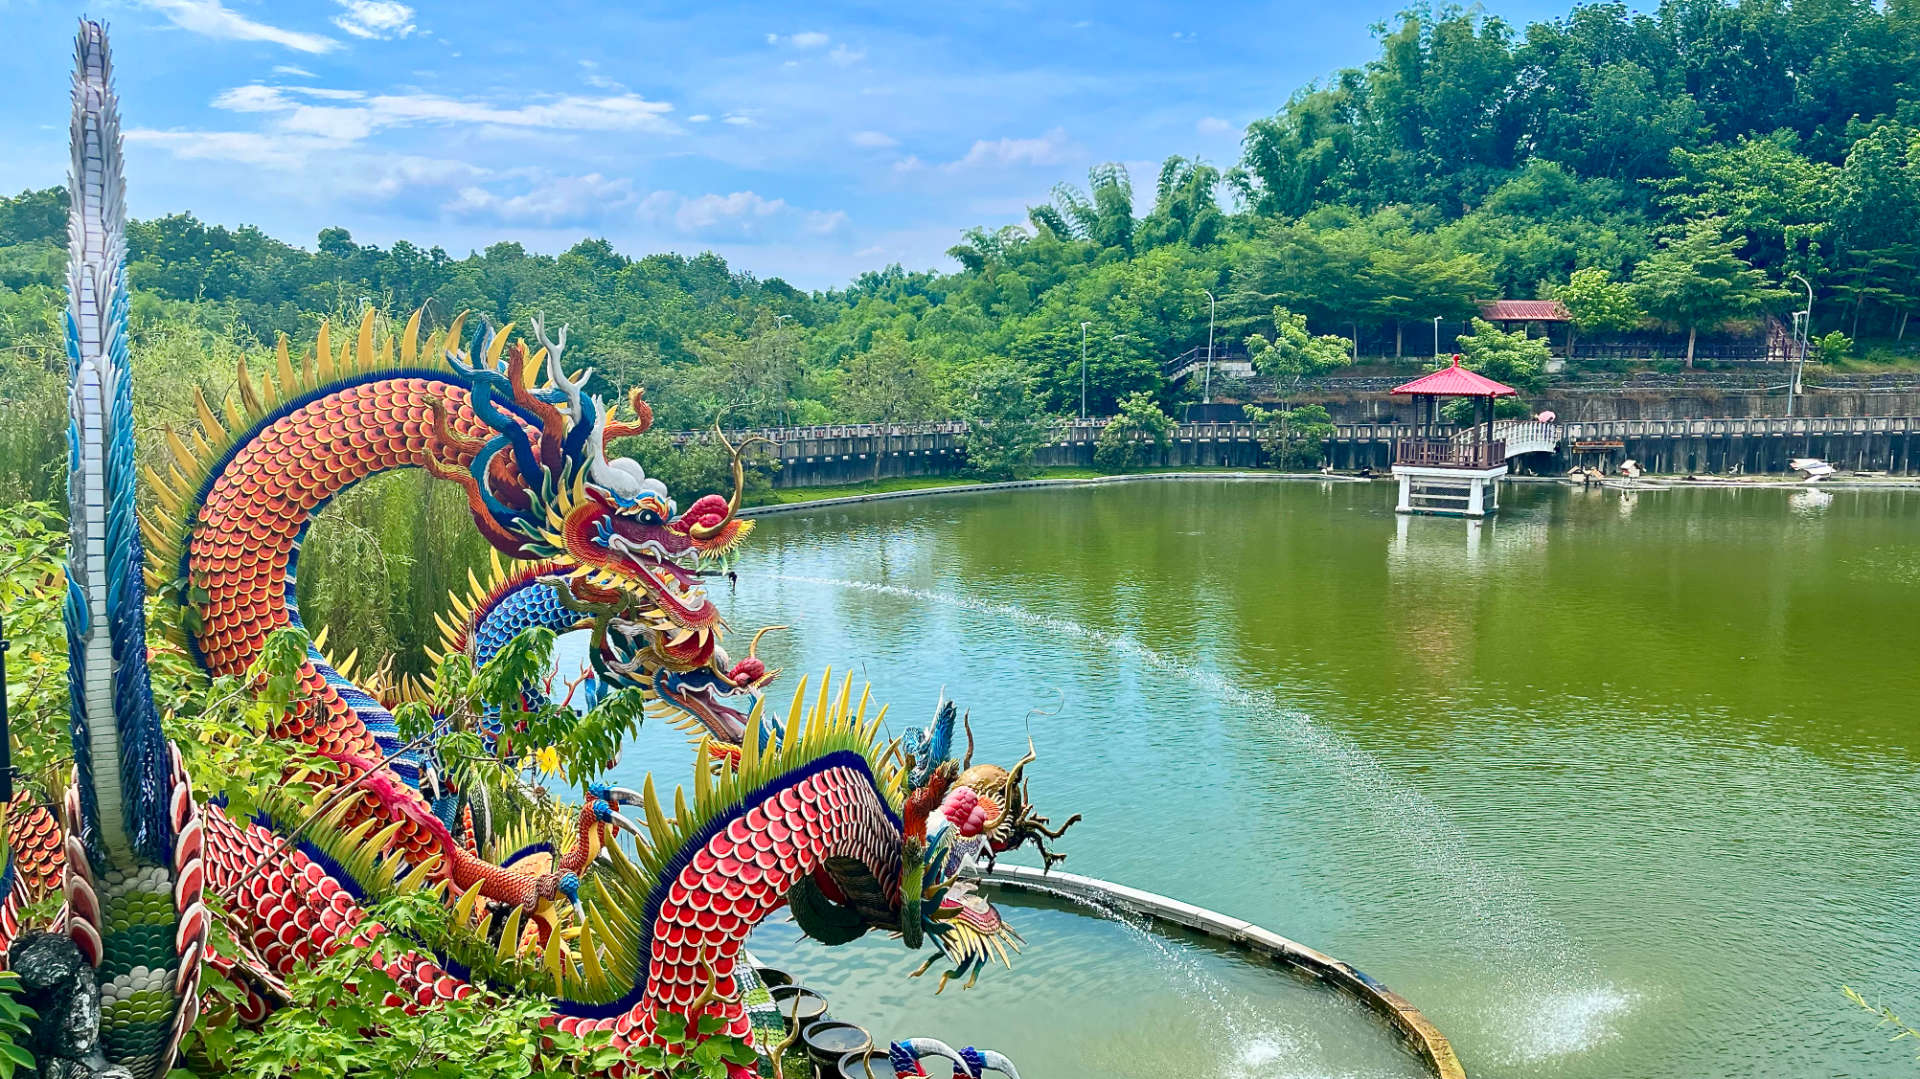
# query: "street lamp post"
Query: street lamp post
1436,337
1206,385
1805,328
779,336
1083,370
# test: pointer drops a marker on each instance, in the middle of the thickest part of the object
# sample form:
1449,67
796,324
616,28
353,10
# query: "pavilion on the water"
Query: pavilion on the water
1447,470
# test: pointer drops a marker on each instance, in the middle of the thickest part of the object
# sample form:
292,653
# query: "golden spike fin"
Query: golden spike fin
384,840
680,805
750,742
319,641
796,712
248,396
322,354
163,491
656,817
363,347
510,930
474,583
181,454
557,963
451,341
288,383
590,971
463,910
499,345
236,416
703,774
216,434
414,880
345,666
410,339
840,706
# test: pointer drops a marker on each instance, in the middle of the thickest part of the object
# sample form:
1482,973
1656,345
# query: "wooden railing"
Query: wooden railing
1076,431
1448,453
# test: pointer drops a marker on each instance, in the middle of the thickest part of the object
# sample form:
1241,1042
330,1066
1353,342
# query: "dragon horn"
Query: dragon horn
755,643
1013,777
707,532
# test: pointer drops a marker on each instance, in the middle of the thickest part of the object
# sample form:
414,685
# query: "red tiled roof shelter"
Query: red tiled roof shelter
1434,447
1454,381
1524,311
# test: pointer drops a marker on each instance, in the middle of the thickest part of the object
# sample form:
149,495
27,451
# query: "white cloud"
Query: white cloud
846,57
213,19
365,114
698,118
737,119
379,20
739,211
1212,125
1051,148
808,39
873,139
909,163
549,200
293,72
244,147
826,222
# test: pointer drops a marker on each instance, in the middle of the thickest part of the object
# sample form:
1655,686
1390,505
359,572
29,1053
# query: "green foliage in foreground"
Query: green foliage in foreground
334,1025
14,1029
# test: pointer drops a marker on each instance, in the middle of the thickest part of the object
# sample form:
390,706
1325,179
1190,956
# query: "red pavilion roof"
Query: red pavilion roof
1455,381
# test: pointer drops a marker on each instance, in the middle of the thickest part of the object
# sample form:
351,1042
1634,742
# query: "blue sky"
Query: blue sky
807,142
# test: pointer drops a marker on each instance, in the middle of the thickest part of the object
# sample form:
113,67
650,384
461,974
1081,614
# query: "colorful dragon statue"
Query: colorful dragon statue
817,813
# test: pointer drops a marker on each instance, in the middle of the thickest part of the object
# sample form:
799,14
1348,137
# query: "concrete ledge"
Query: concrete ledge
1421,1036
1094,481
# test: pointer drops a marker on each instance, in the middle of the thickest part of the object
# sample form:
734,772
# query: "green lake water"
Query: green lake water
1610,785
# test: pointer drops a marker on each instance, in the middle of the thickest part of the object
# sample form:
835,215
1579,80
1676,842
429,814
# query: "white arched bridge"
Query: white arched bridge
1516,437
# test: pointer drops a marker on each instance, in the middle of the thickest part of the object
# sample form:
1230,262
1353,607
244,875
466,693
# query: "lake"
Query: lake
1612,784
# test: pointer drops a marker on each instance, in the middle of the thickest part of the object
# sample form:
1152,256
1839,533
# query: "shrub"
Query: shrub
1140,432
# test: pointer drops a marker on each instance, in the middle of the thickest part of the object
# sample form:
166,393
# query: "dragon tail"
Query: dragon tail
133,875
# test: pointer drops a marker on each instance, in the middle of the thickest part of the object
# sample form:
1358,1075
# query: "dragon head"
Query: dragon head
541,487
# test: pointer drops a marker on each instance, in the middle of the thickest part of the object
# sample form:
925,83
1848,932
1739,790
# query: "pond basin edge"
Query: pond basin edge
1421,1036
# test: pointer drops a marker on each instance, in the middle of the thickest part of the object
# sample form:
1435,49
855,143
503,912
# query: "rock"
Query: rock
58,984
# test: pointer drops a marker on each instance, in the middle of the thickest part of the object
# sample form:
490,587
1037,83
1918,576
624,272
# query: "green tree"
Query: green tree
1139,432
1765,191
1699,279
891,381
1293,353
1005,421
1510,357
1294,438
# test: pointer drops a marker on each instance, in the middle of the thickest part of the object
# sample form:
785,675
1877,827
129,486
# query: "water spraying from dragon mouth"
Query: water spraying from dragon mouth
1547,976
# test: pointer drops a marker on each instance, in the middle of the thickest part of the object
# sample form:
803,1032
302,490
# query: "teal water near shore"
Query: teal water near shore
1609,785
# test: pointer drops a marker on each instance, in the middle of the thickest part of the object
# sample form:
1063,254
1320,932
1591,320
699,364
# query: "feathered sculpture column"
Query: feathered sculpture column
133,879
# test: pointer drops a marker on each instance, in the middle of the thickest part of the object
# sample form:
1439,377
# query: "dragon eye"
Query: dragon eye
649,517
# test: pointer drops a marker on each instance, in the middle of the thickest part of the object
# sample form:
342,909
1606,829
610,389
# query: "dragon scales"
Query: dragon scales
816,813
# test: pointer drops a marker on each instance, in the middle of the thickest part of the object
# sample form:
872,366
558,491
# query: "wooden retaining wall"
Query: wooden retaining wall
856,453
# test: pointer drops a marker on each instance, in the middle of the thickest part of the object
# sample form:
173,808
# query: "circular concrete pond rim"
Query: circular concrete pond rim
1421,1035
